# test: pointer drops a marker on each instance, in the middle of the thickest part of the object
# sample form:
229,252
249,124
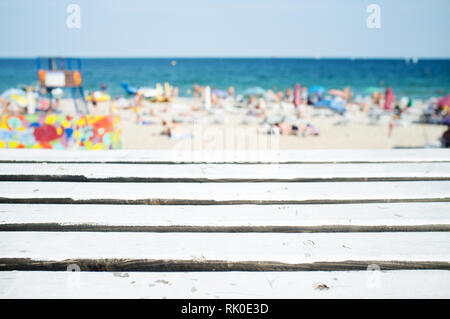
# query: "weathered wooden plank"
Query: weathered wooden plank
223,218
231,285
222,251
223,193
228,156
224,172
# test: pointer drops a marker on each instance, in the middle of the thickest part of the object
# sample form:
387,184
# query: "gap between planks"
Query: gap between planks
231,156
223,193
222,251
225,172
238,218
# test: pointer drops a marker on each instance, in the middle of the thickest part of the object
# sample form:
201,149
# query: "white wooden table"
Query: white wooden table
163,224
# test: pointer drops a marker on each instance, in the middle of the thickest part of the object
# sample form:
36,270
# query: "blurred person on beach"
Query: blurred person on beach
213,98
397,110
136,106
261,104
251,101
201,92
93,100
229,101
297,100
380,100
197,90
219,101
174,130
365,103
348,95
374,107
295,129
280,96
5,106
374,98
256,107
304,95
169,128
103,88
288,97
231,91
44,104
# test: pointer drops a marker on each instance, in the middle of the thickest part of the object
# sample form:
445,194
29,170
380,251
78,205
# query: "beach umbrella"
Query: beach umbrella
444,101
372,89
207,97
10,92
297,95
336,92
15,96
390,97
255,91
316,89
219,93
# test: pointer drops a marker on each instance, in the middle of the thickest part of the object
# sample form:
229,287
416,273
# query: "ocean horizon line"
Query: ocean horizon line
228,57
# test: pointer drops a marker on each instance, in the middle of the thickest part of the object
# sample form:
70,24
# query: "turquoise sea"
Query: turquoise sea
423,79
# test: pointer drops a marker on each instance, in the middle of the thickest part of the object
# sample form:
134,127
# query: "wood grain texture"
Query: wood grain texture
222,193
219,156
222,251
224,172
207,285
214,224
223,218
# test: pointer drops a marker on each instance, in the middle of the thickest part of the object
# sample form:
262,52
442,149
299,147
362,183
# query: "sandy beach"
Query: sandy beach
232,133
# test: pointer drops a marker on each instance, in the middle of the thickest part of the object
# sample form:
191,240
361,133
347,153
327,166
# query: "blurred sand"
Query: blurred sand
358,134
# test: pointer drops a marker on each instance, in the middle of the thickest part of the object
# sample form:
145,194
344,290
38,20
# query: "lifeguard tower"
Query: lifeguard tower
61,73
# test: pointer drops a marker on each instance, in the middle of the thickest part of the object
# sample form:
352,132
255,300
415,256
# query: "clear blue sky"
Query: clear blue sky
225,28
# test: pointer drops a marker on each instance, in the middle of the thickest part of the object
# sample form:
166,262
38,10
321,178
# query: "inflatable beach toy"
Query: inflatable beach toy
167,89
160,97
99,97
129,89
148,92
157,94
